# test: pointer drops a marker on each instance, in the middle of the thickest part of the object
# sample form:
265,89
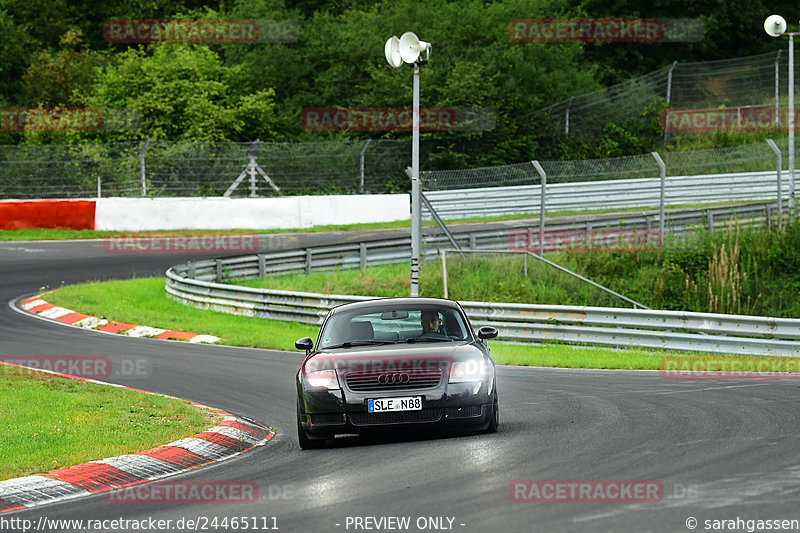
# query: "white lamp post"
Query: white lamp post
775,25
409,49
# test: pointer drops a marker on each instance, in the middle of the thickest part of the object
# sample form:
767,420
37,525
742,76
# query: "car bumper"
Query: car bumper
326,413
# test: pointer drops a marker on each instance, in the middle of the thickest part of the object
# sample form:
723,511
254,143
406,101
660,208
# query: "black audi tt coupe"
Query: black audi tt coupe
409,362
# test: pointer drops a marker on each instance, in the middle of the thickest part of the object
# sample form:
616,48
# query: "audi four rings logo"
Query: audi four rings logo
393,379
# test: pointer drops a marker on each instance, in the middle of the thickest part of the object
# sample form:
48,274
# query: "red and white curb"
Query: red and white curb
233,436
40,307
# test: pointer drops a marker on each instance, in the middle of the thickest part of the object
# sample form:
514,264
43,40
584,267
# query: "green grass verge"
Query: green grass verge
143,301
48,422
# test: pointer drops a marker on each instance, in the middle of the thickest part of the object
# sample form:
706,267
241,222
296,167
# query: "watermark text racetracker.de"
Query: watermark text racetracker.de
228,244
396,119
586,491
740,119
606,30
69,119
705,368
578,240
82,366
206,31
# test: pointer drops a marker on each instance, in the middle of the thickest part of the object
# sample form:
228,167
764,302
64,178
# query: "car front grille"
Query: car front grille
393,381
463,412
397,417
324,419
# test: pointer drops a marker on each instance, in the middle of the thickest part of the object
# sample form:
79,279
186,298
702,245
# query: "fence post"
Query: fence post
98,186
362,256
777,88
262,265
779,164
661,224
443,253
218,269
141,166
542,202
363,152
669,97
566,118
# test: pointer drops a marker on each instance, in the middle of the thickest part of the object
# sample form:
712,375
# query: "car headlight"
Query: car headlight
322,379
465,371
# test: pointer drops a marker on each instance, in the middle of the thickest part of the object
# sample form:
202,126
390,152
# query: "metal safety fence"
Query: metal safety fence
741,83
182,168
206,284
744,173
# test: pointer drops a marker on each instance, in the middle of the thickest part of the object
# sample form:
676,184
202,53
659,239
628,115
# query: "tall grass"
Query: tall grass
753,270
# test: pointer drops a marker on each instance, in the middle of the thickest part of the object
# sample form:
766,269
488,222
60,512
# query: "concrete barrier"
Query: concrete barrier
144,214
47,214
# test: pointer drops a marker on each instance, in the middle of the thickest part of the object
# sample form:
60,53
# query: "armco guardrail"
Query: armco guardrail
199,284
608,194
674,330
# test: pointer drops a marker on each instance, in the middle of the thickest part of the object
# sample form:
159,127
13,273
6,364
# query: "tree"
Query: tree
65,78
182,91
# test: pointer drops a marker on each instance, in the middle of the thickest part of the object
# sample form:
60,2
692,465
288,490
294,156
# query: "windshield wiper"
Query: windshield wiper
350,344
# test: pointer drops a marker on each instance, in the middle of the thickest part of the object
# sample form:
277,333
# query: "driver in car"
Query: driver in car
431,323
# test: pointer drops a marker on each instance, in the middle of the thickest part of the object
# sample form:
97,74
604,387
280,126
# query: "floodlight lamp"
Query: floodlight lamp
775,25
392,51
411,48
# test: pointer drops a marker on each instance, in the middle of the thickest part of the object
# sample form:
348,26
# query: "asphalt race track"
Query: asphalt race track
720,449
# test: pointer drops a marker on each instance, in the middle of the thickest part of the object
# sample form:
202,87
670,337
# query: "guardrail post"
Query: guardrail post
778,164
308,260
191,270
262,265
218,268
657,157
710,216
542,202
472,241
362,256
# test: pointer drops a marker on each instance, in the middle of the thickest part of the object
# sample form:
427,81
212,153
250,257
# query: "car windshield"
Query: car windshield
410,324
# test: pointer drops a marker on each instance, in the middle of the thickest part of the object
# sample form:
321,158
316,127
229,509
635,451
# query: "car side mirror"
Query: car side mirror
304,344
487,332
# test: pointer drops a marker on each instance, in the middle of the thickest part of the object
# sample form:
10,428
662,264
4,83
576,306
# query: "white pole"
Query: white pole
791,123
444,271
416,216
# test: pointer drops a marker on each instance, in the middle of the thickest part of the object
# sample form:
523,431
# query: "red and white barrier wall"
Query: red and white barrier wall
56,214
144,214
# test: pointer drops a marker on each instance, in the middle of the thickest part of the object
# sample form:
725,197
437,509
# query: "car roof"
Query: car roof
389,303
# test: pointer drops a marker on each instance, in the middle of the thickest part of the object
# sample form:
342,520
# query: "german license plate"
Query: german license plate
408,403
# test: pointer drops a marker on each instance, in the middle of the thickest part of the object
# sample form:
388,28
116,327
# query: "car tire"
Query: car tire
494,418
303,439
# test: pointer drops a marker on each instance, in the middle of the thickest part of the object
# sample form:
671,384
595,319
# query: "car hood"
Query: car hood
393,358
